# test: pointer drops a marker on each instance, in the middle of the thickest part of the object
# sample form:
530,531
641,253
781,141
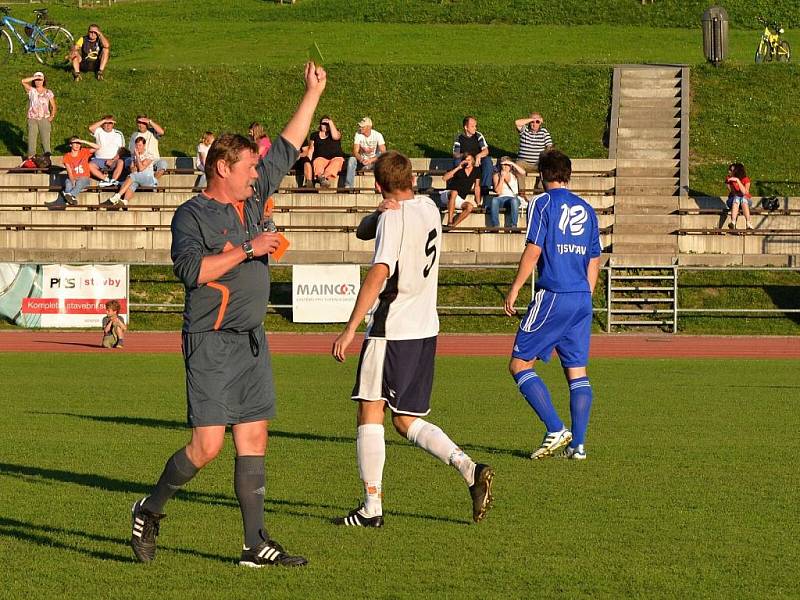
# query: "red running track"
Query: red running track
603,346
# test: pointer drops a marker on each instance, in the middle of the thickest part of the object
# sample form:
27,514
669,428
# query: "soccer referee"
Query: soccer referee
220,254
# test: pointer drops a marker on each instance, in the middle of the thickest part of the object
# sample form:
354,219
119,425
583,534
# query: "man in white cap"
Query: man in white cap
367,146
110,141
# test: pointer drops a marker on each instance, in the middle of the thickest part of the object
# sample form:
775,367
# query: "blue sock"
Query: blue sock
580,403
538,396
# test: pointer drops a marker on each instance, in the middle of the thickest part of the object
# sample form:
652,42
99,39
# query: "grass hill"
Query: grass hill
417,67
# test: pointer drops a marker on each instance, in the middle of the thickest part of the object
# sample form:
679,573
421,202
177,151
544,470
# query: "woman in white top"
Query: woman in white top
41,111
200,159
506,186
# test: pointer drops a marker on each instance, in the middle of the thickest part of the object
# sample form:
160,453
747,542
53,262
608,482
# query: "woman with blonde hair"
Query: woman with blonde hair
200,159
257,134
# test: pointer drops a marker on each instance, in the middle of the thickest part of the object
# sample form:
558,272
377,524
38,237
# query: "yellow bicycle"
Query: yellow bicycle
771,46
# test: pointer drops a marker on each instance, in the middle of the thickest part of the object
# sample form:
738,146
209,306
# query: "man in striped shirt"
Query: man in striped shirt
533,140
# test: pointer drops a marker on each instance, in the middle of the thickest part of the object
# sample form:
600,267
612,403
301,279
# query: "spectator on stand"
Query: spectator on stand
471,141
141,174
41,111
90,53
533,140
79,168
114,327
200,159
461,181
368,145
151,131
739,194
259,136
111,142
303,171
326,153
506,186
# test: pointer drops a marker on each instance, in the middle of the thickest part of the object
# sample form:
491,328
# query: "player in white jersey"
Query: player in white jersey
396,364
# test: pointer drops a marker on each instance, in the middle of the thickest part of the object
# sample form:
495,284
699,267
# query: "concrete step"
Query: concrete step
650,239
645,112
649,72
647,153
649,133
651,122
639,190
653,220
624,248
651,93
647,181
649,83
625,172
654,259
656,103
645,205
633,163
648,144
621,229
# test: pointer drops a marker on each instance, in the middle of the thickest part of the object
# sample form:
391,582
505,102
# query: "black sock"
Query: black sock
177,472
249,482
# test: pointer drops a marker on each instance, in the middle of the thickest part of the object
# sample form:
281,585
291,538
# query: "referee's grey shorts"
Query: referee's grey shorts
397,371
228,378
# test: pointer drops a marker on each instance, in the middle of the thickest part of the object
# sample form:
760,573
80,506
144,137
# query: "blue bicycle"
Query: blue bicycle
48,42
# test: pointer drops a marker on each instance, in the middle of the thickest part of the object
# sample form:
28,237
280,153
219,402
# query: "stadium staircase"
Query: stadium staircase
649,140
640,296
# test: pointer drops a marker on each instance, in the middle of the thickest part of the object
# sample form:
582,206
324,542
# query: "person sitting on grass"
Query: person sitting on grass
141,174
462,180
114,327
90,53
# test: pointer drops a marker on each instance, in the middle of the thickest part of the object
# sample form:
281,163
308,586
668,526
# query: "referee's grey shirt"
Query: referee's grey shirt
201,227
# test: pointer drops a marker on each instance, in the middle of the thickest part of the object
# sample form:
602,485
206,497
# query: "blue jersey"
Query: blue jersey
565,227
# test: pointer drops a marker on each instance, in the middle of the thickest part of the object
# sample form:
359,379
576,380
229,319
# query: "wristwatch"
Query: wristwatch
248,250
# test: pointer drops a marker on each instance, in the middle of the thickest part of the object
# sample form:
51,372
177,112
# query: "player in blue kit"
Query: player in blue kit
563,241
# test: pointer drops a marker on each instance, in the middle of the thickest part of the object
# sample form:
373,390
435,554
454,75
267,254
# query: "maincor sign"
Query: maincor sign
324,293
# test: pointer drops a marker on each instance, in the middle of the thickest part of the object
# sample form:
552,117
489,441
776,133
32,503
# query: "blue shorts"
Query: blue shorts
556,320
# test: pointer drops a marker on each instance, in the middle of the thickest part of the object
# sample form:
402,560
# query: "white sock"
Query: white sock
465,465
435,441
371,452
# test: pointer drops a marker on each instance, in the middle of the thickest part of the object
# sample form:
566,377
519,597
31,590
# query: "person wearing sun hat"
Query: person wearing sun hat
41,111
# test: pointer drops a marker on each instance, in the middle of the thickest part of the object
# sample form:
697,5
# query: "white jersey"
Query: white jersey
409,242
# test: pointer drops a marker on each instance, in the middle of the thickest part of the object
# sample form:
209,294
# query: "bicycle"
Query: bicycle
48,42
771,46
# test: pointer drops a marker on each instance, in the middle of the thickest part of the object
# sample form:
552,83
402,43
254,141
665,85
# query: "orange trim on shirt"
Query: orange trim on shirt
223,303
239,206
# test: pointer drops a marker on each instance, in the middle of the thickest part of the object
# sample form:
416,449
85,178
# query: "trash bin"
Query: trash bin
715,34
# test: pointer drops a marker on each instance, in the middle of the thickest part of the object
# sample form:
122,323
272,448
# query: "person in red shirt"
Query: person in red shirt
738,194
79,172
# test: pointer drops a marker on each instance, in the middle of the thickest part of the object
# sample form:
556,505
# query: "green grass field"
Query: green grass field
687,492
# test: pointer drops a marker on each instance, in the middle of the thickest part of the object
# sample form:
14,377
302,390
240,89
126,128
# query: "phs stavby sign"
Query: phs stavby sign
324,293
61,295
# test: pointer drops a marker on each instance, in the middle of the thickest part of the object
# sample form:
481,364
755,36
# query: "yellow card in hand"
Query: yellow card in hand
315,55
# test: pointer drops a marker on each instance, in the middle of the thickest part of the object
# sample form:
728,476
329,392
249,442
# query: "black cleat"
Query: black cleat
356,518
481,492
270,553
144,530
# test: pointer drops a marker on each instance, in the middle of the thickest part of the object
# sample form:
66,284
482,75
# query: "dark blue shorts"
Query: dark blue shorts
556,321
400,372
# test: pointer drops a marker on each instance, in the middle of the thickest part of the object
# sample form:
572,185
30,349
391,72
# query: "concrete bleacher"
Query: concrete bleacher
319,223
